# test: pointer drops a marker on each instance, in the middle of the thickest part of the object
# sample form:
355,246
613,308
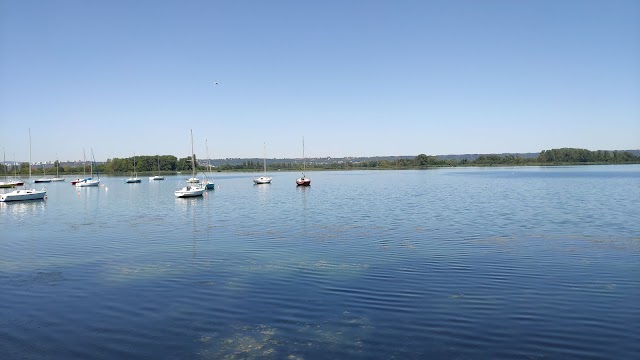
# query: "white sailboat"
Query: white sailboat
303,180
57,178
192,189
264,179
134,179
44,178
90,181
84,169
6,183
157,177
25,194
16,181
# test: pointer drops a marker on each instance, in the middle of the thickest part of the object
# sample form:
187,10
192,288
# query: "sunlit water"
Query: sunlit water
460,263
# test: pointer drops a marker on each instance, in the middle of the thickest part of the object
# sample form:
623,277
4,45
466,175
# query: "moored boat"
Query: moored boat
193,188
44,178
134,179
57,178
190,191
264,179
89,182
303,180
24,194
157,177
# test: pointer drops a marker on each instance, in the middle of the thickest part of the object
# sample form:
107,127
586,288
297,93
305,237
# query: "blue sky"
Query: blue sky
355,78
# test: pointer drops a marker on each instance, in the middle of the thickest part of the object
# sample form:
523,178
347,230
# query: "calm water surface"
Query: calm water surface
491,263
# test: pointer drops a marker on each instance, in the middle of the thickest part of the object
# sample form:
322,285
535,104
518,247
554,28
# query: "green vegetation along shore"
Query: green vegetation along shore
169,164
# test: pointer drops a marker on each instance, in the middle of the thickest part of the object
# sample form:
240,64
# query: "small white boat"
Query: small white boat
264,179
194,188
190,191
6,183
89,182
24,194
57,178
44,178
157,177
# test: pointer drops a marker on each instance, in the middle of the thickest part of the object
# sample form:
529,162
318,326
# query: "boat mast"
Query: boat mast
29,154
265,159
193,158
206,144
4,162
304,160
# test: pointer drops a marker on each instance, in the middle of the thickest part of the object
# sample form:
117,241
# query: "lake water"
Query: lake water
459,263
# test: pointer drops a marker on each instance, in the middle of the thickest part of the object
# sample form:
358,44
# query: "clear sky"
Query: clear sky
355,78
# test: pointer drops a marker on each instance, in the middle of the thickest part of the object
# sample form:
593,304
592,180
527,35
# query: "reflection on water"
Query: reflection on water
21,209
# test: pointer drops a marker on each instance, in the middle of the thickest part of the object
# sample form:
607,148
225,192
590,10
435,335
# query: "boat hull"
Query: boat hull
133,181
262,180
189,191
57,179
42,181
157,177
303,182
88,183
23,195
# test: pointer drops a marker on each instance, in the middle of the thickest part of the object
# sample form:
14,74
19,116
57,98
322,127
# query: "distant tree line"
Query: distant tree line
546,157
171,164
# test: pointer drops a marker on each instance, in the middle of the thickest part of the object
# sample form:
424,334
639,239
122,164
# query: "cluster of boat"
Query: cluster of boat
194,186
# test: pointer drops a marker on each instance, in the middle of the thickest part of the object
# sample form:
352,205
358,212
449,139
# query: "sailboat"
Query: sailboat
134,179
5,183
264,179
16,181
26,194
157,177
303,180
84,169
191,190
208,183
44,178
57,178
90,181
